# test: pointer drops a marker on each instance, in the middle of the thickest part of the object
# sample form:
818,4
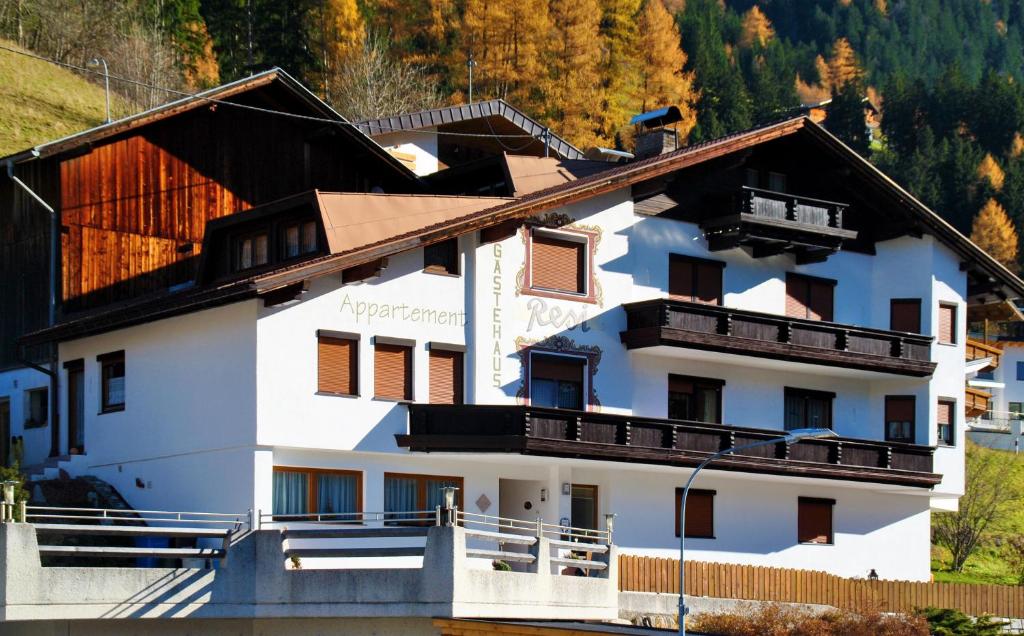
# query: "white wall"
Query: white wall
14,385
420,143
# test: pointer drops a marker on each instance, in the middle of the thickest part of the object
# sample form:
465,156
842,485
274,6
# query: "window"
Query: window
814,520
299,239
558,264
442,258
556,381
1016,410
947,324
695,399
112,381
417,493
445,376
251,251
777,182
899,418
76,404
808,409
905,315
946,420
583,506
392,371
300,491
1020,371
700,513
808,297
5,431
337,364
695,280
37,407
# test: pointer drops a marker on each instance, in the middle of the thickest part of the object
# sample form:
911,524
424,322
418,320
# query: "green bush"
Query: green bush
951,622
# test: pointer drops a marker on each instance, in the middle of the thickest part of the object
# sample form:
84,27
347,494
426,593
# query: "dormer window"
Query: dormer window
299,238
251,250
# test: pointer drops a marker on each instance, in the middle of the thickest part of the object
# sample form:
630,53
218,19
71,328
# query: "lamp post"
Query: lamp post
8,503
99,61
449,505
791,437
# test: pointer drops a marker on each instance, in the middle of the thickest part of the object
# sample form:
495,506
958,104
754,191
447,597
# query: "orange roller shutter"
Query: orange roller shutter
947,324
445,377
557,264
392,371
337,365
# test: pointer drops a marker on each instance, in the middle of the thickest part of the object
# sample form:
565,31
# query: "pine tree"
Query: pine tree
622,65
342,34
573,86
846,117
663,80
419,31
993,232
757,28
843,66
989,171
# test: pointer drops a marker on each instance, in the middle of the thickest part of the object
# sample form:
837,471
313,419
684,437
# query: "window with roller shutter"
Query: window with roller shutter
900,411
392,371
695,279
446,373
947,324
700,513
905,315
809,297
558,264
337,365
814,520
945,419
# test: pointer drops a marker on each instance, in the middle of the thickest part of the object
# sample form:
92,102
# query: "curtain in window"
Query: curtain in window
544,392
709,405
435,497
399,496
291,493
794,411
816,416
336,493
569,395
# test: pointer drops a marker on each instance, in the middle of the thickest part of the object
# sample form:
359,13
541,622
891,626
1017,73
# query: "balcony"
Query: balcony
976,401
625,438
676,323
978,350
774,222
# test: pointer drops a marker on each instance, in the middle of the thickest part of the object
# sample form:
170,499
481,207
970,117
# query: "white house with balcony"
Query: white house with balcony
565,355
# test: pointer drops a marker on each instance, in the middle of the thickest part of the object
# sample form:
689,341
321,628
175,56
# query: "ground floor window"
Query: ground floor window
814,520
37,407
299,491
405,494
700,513
584,507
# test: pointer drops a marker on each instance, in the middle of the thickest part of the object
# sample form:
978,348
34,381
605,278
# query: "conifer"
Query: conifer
573,86
993,232
344,34
621,67
989,170
842,64
757,28
663,80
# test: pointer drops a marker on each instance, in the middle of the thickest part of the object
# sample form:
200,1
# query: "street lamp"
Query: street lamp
99,61
791,437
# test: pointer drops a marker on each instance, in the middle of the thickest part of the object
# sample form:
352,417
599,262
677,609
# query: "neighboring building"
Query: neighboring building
432,140
566,353
997,419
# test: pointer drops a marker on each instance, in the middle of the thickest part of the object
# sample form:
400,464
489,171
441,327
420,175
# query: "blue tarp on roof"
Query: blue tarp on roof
660,117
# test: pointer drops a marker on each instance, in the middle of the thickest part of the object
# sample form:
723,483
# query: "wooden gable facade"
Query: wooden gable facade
134,204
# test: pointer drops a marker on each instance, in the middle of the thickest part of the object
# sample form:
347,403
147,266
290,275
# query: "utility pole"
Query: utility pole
248,19
98,61
470,63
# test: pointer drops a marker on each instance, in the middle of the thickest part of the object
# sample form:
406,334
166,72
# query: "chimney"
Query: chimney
653,135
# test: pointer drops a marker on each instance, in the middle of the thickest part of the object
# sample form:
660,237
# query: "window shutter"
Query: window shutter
796,297
445,377
709,284
820,305
680,279
905,315
557,264
679,384
814,520
700,513
557,368
899,409
947,324
392,371
337,364
944,414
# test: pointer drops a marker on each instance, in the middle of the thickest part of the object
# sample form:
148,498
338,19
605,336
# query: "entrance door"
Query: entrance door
5,432
76,409
584,507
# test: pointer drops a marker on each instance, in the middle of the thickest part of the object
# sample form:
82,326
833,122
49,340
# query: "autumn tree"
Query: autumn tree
990,172
419,32
993,232
342,34
757,28
843,66
663,80
621,67
573,86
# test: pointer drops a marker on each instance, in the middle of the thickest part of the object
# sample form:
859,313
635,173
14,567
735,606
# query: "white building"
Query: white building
566,354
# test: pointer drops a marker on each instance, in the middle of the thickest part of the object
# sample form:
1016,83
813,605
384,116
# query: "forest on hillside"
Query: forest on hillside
946,74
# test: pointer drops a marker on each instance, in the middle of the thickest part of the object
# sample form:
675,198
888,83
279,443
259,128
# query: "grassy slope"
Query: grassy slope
989,563
40,101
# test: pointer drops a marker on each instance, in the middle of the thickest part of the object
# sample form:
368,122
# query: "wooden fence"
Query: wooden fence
720,580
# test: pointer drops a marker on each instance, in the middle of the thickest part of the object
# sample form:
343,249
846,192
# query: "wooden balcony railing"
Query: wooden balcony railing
977,350
976,401
728,330
788,207
611,437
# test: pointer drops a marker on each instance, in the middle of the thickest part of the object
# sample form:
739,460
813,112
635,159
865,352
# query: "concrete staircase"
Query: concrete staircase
73,465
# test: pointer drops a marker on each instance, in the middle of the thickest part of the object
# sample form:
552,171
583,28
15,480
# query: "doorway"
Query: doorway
76,408
584,506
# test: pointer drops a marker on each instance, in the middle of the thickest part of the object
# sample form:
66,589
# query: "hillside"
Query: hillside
40,101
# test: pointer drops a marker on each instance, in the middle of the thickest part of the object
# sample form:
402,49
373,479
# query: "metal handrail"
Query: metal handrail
149,517
348,517
538,527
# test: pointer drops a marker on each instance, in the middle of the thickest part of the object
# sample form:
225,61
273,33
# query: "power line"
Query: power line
266,111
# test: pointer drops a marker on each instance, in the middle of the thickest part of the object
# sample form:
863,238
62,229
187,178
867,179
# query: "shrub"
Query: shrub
501,566
779,620
951,622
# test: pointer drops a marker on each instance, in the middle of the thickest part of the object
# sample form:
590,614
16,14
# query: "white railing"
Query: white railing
536,527
393,518
152,518
996,421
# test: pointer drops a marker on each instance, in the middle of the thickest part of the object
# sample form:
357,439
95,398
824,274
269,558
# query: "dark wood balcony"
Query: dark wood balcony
608,437
771,223
723,329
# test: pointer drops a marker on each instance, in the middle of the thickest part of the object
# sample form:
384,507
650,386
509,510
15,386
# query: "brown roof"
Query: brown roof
532,174
620,176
